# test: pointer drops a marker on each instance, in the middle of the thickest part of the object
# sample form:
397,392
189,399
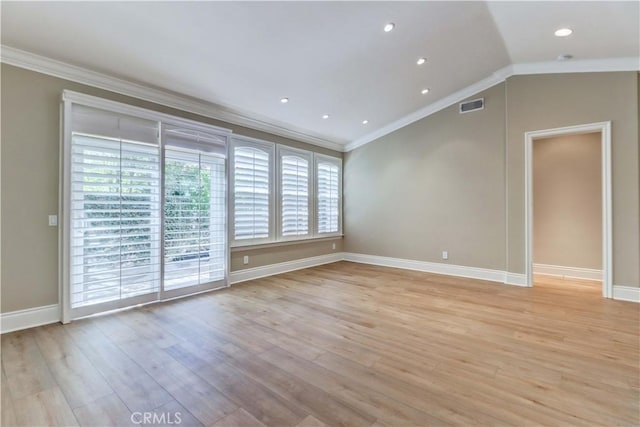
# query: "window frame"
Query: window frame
317,159
284,150
269,147
275,197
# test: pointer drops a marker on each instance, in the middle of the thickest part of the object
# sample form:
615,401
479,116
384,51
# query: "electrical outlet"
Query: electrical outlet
333,246
53,220
445,255
246,260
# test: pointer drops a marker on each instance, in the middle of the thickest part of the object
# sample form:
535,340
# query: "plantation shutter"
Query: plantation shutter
252,191
195,209
328,176
294,193
115,207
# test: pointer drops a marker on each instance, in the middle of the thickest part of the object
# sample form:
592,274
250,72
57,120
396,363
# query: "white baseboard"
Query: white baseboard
283,267
570,272
515,279
439,268
626,293
29,318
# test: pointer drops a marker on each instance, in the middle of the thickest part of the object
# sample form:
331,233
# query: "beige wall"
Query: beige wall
30,155
269,255
556,100
437,184
440,183
567,201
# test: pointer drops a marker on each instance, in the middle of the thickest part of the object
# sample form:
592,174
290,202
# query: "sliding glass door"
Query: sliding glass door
145,214
114,240
195,231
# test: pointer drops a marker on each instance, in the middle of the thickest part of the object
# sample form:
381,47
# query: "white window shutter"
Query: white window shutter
115,218
252,193
294,195
328,188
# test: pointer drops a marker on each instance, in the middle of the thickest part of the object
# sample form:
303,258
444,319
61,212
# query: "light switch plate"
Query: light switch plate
53,220
246,259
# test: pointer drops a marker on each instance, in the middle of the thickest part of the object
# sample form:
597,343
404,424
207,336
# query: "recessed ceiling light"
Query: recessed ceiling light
421,61
325,116
364,122
563,32
424,91
390,26
284,100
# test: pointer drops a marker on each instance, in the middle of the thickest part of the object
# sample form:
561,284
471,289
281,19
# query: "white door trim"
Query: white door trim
605,131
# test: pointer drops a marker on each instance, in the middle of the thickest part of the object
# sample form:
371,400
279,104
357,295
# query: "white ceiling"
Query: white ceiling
326,57
607,29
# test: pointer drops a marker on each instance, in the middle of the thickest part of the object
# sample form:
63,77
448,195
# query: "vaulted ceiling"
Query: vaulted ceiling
327,58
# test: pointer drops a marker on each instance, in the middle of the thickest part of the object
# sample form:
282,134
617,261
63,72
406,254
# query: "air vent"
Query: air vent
474,105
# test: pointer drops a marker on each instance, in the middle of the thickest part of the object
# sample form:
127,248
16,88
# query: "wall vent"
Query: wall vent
473,105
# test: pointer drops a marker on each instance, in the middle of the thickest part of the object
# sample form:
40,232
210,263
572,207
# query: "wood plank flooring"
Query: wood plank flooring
339,345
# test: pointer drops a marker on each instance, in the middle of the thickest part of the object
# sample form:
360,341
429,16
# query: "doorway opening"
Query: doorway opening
578,235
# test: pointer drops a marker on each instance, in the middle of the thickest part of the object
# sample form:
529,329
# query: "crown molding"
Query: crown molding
45,65
550,67
578,66
497,77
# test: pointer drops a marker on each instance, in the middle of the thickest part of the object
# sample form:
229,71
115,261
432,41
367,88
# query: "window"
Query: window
294,192
303,202
328,194
252,183
144,215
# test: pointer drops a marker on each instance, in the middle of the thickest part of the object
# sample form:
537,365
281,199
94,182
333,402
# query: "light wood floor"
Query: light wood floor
342,344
